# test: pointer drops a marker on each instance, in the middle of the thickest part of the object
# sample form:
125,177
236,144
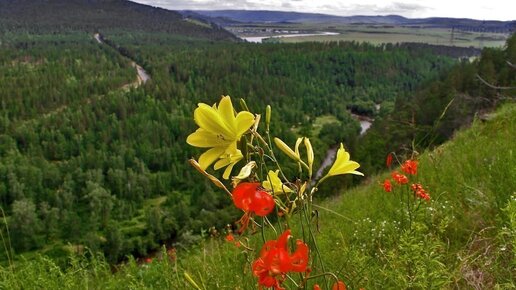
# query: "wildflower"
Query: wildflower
419,191
274,184
416,186
275,261
252,200
219,130
423,194
339,286
399,178
342,165
409,167
387,186
316,287
230,238
229,159
388,161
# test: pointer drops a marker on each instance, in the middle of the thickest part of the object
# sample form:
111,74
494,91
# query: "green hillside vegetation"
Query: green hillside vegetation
87,164
465,237
91,166
431,115
65,16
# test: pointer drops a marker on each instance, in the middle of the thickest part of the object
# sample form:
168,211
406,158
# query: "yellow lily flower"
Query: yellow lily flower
343,165
274,184
229,159
220,130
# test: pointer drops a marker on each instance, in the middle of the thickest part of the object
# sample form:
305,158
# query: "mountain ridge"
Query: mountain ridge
94,15
267,16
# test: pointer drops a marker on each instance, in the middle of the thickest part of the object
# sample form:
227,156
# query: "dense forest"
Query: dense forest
86,163
65,16
434,112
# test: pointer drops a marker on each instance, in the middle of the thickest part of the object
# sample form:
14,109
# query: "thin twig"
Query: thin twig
493,86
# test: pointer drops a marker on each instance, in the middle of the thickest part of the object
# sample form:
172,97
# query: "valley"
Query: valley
96,184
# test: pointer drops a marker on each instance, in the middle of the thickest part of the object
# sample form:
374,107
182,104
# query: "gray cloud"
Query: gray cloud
396,7
407,8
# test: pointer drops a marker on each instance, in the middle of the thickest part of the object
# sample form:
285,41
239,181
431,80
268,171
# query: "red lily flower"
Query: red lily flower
388,161
399,178
250,198
339,286
275,261
387,186
409,167
420,191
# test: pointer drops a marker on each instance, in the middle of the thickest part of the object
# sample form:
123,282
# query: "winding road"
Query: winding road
142,76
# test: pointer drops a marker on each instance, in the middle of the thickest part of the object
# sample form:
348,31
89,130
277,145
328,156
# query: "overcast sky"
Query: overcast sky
476,9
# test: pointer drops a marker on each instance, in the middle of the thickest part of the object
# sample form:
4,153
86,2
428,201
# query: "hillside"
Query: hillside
44,16
95,166
261,16
464,238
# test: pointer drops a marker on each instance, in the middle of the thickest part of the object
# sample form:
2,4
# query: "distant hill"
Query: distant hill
228,17
93,15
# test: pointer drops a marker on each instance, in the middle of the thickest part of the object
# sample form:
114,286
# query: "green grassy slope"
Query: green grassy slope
464,238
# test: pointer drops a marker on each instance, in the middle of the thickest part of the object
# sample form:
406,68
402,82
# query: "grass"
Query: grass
377,34
463,238
437,36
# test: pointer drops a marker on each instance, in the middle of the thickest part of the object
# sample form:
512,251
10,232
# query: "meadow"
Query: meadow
377,34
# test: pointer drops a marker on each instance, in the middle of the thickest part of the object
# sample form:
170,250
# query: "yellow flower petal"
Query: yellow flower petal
227,113
244,121
221,163
204,139
208,157
227,172
208,118
274,184
343,165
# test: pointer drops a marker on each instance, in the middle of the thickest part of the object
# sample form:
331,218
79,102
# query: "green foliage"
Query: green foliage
462,238
93,155
65,16
440,107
